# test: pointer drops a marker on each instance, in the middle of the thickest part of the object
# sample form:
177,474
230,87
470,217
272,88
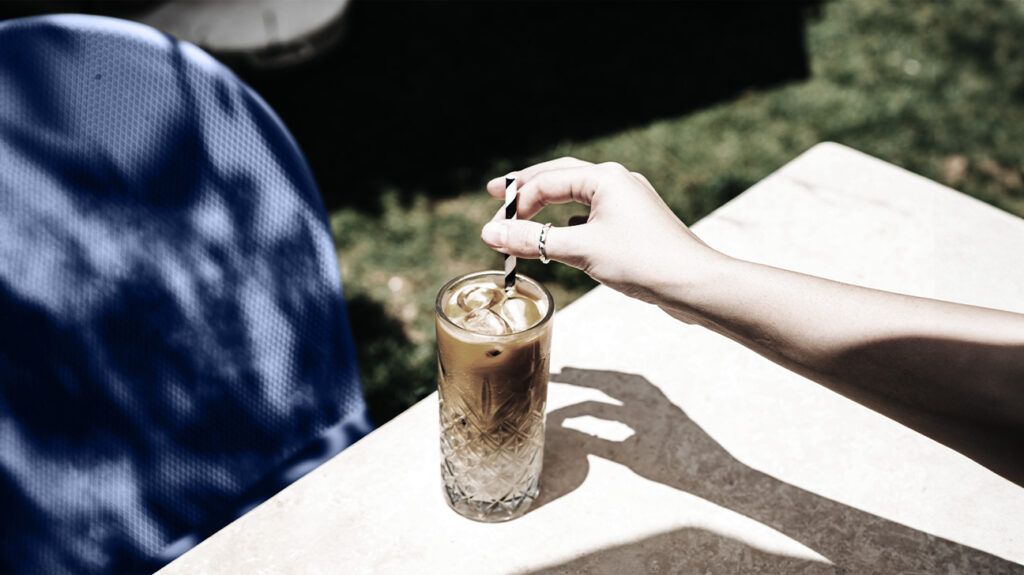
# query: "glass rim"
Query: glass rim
439,308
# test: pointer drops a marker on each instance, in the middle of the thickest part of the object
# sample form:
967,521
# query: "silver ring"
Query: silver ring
541,243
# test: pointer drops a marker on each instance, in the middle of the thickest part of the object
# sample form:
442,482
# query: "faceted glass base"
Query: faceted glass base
490,466
492,511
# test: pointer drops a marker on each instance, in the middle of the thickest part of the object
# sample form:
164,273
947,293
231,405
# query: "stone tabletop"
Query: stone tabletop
671,449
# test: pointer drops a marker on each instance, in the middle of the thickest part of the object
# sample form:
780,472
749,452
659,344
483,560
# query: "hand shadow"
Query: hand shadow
668,447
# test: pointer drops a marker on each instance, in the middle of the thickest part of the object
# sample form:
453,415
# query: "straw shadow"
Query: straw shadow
668,447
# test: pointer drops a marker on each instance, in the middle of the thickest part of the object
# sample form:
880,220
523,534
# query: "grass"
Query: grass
935,88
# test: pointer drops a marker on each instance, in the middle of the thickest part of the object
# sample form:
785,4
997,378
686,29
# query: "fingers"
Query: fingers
521,238
614,384
557,186
527,174
643,179
607,448
576,183
562,186
598,409
496,187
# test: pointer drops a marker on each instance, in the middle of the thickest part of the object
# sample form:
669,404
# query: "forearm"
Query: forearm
886,350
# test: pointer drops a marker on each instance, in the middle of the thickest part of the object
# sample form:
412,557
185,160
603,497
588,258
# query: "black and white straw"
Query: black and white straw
511,206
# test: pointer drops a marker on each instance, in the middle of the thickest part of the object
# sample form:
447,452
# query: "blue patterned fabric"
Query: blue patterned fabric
173,338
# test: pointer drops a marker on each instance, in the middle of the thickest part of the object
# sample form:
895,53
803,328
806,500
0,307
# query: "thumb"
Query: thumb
521,238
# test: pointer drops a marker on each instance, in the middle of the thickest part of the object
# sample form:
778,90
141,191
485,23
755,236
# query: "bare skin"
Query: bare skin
951,371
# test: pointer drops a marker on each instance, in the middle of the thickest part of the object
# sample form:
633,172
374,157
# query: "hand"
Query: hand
632,242
670,448
665,445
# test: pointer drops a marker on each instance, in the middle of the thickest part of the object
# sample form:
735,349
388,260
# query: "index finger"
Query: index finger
496,187
564,185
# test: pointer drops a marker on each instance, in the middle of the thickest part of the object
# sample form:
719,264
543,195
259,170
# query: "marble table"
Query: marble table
671,449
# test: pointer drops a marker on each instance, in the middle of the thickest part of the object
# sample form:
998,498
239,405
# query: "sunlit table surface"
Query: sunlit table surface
671,449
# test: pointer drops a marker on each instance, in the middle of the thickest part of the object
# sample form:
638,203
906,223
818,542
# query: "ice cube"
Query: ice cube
520,313
485,322
479,297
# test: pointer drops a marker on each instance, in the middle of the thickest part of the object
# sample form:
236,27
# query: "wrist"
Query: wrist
698,283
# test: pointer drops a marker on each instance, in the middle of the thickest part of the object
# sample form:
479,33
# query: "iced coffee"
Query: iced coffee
492,358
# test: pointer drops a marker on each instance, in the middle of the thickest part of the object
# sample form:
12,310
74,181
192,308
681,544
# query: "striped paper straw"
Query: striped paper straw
511,206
